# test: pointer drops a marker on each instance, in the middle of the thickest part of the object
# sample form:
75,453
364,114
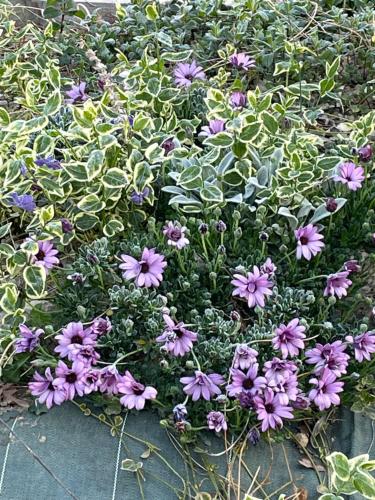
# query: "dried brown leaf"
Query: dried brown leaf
306,462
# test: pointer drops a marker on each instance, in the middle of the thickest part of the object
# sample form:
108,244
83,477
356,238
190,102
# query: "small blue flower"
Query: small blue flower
24,201
49,162
139,198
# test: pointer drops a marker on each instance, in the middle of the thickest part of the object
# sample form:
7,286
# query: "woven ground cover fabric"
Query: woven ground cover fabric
83,455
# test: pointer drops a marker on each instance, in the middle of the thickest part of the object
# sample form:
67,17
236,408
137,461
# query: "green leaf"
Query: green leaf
221,140
270,122
293,221
4,117
331,69
141,122
91,203
4,230
212,194
326,85
151,12
114,178
85,222
35,281
330,496
164,39
340,465
46,214
9,297
52,104
113,227
364,483
328,162
94,164
250,132
176,56
191,177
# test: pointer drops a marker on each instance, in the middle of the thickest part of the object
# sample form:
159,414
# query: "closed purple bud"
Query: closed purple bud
331,204
253,436
66,225
365,153
203,228
168,146
221,227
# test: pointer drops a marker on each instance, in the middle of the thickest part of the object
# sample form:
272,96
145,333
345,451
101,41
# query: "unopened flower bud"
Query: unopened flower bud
164,364
238,233
365,153
283,249
213,276
189,364
217,212
221,226
331,300
331,204
203,228
236,215
221,249
235,316
263,236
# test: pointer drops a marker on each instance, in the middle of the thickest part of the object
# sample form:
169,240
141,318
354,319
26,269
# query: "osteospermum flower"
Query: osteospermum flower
202,385
146,272
326,391
28,339
308,241
136,394
216,421
364,345
46,389
185,73
244,357
253,287
279,369
213,128
177,339
86,354
242,61
238,100
71,380
77,93
249,381
101,326
289,338
270,410
175,235
352,266
331,356
91,380
351,175
337,284
24,201
46,256
268,267
286,387
109,378
72,338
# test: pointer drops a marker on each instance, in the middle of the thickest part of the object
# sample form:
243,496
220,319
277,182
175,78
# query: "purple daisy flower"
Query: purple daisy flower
249,381
364,345
177,339
101,326
148,271
270,410
213,128
28,339
308,241
175,235
136,394
244,357
325,393
286,387
109,378
238,100
24,201
351,175
253,287
46,389
331,356
268,267
91,380
337,284
202,385
279,369
72,339
289,338
71,380
216,421
138,198
46,256
365,153
77,93
242,61
302,402
49,162
352,266
86,354
185,73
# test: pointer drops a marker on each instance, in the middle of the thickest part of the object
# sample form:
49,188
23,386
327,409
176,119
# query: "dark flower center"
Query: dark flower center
71,378
304,240
175,234
179,333
138,389
144,267
40,255
51,387
76,339
269,408
248,384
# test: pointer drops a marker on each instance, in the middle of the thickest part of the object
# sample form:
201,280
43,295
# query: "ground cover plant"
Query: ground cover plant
187,207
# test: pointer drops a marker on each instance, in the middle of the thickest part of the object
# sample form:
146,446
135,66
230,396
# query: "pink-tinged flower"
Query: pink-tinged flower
279,369
238,100
213,128
286,387
289,338
351,175
185,73
302,402
71,380
136,394
109,378
308,241
72,338
270,411
176,338
77,93
202,385
28,339
46,256
86,354
331,356
244,357
365,153
101,326
216,421
242,61
352,266
325,393
46,390
337,284
147,272
91,380
249,381
253,287
364,345
268,267
175,235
